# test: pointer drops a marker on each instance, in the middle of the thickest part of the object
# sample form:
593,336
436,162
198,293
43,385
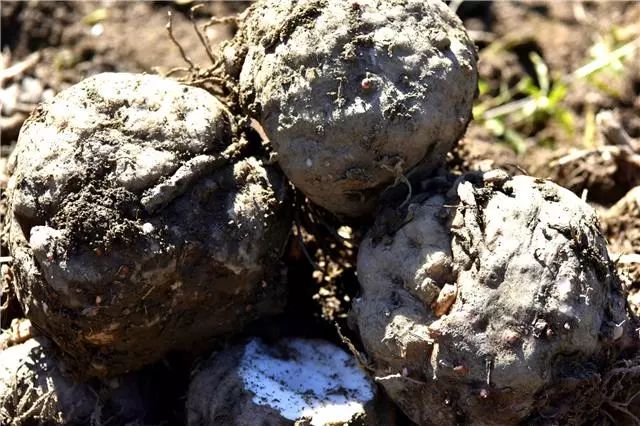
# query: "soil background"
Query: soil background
559,98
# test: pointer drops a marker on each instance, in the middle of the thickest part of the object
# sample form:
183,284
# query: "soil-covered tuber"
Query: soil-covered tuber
280,384
136,227
492,293
354,94
34,390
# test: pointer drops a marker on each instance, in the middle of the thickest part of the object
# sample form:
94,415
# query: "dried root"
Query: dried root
213,77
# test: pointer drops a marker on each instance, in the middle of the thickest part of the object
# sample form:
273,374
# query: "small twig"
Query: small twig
39,403
360,357
399,376
223,20
613,422
631,398
399,178
255,125
517,167
489,367
96,415
508,108
573,156
175,70
613,131
211,79
19,68
403,179
201,37
169,28
603,61
623,409
301,241
481,36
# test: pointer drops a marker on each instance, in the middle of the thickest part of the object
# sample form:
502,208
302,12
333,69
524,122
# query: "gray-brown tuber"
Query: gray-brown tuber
492,295
354,95
135,226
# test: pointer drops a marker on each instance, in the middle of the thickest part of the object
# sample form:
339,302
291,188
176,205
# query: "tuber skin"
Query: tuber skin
35,390
353,95
292,381
535,295
135,225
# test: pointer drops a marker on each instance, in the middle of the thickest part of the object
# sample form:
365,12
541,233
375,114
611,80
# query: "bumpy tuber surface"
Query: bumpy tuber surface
34,390
487,299
354,94
279,384
133,228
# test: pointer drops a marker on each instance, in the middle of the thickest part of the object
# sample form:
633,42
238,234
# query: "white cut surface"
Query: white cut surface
305,378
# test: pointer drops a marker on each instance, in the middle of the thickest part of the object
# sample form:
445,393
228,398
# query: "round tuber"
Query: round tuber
493,293
34,390
292,381
354,94
136,228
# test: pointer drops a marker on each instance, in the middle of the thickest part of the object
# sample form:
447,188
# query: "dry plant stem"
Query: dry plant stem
204,41
18,69
614,132
176,70
381,379
38,404
302,244
220,20
169,28
211,78
360,356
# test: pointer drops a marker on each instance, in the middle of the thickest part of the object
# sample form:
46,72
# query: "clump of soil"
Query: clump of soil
605,173
353,95
18,332
293,380
137,226
490,293
621,225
